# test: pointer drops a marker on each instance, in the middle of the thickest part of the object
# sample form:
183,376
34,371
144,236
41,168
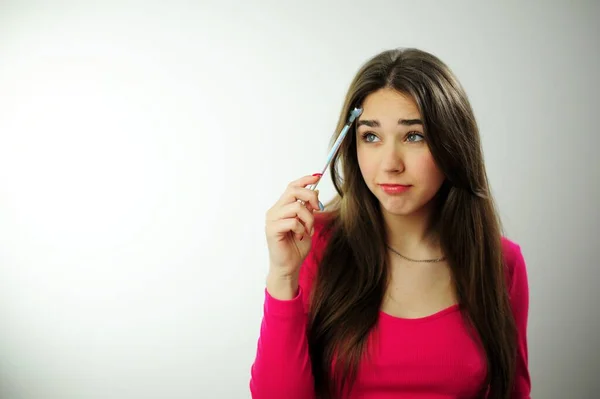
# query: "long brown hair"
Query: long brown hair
352,276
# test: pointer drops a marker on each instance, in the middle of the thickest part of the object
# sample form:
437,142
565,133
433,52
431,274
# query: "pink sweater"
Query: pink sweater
431,357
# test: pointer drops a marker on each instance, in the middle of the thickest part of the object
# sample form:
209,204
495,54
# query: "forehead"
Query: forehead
389,103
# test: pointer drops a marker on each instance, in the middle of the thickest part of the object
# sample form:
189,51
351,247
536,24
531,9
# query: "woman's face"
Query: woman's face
393,154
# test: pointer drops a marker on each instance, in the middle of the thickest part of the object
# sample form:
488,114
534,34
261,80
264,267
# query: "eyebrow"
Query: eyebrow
375,123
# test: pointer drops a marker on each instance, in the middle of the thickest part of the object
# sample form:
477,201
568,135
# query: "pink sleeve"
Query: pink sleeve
519,297
282,366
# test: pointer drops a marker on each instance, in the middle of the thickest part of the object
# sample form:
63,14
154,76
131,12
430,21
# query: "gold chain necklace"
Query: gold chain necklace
417,260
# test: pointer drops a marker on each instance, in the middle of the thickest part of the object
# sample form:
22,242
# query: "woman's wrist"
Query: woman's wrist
281,287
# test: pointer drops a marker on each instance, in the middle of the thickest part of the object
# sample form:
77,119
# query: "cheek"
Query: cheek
366,164
426,170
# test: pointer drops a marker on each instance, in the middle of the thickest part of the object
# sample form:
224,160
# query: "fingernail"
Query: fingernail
318,174
321,207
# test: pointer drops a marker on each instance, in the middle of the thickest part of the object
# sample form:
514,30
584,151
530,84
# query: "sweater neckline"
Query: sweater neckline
450,309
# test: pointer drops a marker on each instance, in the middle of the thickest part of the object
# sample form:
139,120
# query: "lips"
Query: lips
394,188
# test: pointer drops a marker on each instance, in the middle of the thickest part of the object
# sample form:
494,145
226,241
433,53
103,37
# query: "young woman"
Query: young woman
404,287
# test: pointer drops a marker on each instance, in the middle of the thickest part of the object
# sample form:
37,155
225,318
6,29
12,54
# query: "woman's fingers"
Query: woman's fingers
305,195
294,210
297,191
305,180
282,227
297,210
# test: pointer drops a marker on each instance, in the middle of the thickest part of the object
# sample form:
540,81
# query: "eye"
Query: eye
369,137
414,137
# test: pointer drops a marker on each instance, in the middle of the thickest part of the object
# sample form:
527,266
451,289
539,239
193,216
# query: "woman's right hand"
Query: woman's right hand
289,227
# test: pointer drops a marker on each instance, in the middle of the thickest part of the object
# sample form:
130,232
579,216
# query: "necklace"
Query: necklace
417,260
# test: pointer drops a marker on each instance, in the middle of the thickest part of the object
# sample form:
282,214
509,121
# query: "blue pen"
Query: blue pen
355,113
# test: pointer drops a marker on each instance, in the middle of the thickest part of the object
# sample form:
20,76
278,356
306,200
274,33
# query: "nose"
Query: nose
393,159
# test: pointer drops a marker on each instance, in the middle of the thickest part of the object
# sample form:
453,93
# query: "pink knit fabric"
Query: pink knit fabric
427,358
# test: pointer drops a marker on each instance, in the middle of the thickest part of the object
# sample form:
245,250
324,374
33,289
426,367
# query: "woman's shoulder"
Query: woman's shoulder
323,226
323,223
511,250
516,269
308,271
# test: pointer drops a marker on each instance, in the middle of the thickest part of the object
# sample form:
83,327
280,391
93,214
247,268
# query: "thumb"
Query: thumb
321,206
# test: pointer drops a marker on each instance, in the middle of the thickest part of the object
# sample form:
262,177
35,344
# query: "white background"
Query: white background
141,145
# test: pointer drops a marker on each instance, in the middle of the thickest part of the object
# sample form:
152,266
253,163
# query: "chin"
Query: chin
397,209
402,207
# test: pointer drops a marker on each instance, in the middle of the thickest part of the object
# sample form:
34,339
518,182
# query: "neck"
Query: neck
410,234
